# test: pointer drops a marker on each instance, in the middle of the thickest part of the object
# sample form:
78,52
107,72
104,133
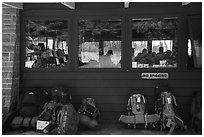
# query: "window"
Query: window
154,42
195,42
46,44
99,43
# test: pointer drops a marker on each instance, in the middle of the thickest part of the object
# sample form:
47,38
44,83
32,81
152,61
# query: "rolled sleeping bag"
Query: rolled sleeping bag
17,122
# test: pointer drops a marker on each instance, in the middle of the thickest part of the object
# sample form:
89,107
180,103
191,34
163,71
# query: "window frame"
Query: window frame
179,37
23,43
126,41
123,41
190,37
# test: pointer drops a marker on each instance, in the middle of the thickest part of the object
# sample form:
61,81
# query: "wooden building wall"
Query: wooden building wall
111,88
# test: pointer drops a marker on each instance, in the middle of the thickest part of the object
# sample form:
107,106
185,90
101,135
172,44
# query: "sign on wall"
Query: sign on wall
154,75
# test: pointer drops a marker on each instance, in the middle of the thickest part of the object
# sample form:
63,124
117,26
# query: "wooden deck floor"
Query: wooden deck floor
112,129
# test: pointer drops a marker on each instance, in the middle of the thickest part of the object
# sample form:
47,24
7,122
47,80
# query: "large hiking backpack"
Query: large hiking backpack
136,108
89,114
165,104
49,114
67,120
50,111
168,102
59,94
136,105
89,108
60,113
31,103
29,107
165,107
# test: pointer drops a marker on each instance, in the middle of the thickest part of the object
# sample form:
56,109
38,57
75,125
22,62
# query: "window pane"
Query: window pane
154,43
99,43
138,46
46,45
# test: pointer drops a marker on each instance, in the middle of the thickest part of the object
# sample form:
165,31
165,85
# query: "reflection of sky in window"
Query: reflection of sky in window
189,48
138,46
96,38
166,44
115,46
90,51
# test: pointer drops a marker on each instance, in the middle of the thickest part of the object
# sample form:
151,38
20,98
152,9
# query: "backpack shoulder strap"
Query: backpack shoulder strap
174,99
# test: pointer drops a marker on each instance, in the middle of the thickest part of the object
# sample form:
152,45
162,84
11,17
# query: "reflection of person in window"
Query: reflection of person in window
41,47
105,60
141,57
133,56
160,55
29,46
151,58
168,57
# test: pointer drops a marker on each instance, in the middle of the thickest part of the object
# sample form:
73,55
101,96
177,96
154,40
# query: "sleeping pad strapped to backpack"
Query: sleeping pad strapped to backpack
89,113
137,112
29,107
137,106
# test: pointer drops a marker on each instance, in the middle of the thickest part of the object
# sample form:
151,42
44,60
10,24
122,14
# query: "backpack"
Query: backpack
49,114
169,102
31,103
89,108
158,100
59,94
165,104
165,108
136,104
49,111
28,109
67,120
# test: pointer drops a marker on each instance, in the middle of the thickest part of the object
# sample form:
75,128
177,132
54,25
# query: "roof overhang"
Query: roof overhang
70,5
185,3
16,5
126,4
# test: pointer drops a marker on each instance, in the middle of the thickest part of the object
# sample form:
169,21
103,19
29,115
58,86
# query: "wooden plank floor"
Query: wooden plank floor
112,129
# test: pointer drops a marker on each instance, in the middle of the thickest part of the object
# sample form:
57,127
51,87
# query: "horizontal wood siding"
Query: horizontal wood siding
112,87
112,90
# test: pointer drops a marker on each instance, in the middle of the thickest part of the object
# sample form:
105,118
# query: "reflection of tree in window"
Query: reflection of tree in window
157,33
96,38
46,44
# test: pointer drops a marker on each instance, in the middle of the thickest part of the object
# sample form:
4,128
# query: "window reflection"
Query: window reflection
154,43
46,45
99,44
195,42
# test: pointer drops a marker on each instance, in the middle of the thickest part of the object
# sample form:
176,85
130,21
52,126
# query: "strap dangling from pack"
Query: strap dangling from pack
143,99
174,100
